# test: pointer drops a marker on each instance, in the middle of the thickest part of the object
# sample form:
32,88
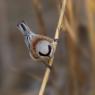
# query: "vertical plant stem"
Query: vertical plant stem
47,72
74,67
91,32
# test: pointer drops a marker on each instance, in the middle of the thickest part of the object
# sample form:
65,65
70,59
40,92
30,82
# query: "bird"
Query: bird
40,47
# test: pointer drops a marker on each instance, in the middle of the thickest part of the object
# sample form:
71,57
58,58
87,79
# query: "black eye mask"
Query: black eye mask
47,54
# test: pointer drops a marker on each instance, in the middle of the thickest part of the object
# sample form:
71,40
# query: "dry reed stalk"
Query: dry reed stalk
47,72
69,30
77,10
91,32
74,67
39,15
73,37
67,26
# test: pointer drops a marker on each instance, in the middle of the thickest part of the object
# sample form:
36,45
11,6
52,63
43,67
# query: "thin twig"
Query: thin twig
71,27
73,56
91,32
47,72
73,37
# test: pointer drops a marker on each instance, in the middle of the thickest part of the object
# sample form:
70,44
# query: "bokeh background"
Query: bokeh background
74,63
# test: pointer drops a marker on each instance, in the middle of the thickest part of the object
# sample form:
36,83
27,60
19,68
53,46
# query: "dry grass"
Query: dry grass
71,27
47,72
80,82
91,32
71,24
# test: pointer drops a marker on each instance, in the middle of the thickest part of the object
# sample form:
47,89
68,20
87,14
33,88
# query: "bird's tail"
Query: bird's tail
24,28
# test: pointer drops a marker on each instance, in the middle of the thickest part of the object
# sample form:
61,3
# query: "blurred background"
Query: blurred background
74,63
